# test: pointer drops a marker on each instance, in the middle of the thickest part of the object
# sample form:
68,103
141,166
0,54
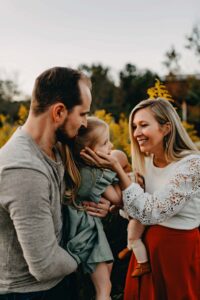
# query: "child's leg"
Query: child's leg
139,250
135,230
101,280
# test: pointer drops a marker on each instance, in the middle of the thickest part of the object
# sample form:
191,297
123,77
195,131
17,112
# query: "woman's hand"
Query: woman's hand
102,160
99,159
140,180
100,209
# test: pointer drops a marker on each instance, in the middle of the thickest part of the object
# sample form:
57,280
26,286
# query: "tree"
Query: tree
104,90
193,40
171,62
134,85
8,107
8,90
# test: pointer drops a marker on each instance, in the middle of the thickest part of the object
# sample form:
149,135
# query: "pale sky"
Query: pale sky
38,34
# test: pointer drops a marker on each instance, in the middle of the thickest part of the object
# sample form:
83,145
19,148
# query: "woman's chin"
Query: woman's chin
143,149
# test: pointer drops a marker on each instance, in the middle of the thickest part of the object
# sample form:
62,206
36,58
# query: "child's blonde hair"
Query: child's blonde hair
87,137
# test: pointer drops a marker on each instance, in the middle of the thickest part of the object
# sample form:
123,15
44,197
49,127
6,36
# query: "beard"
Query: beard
63,138
61,135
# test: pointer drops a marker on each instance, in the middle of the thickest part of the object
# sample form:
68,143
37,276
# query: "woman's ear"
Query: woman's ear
167,128
59,112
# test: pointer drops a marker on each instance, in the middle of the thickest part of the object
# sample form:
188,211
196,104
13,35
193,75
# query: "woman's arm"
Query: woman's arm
155,208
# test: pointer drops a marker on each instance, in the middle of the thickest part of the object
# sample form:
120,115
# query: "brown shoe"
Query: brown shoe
141,269
124,253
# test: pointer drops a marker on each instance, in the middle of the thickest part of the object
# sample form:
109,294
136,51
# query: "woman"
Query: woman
169,161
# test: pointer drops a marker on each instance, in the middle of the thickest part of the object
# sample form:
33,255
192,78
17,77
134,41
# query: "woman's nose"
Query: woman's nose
136,132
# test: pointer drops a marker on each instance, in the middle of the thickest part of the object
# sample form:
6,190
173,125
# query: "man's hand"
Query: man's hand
100,209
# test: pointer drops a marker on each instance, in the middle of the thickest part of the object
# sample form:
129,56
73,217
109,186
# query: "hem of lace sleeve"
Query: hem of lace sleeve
130,195
131,191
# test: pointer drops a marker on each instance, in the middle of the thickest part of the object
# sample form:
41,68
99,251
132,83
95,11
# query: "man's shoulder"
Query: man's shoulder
20,152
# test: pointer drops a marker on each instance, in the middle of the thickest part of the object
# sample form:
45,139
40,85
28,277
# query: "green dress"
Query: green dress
87,241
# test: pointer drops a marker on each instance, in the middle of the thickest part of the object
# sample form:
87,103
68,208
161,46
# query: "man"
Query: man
32,263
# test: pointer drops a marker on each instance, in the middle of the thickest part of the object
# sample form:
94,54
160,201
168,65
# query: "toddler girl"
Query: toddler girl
87,242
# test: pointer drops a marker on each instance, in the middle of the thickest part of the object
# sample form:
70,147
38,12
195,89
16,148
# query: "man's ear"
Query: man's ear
59,112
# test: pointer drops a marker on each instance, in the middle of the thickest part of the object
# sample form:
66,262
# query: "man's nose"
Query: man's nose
84,122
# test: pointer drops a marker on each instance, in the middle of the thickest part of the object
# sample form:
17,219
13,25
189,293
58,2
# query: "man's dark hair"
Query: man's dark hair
58,84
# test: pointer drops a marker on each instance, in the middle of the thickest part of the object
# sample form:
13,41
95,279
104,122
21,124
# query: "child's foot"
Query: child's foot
124,253
141,269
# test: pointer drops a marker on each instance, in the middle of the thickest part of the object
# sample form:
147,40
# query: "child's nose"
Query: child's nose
111,145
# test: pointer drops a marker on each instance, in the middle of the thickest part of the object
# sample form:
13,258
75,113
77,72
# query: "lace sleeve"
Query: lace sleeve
168,200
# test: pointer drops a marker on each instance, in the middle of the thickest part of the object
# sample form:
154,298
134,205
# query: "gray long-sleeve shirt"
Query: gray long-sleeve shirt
31,189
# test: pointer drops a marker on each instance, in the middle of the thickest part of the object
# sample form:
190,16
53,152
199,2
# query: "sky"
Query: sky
39,34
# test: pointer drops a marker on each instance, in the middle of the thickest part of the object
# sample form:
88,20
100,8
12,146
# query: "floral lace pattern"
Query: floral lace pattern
170,199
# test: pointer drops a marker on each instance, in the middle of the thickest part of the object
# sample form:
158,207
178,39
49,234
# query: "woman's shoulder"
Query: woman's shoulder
189,163
190,158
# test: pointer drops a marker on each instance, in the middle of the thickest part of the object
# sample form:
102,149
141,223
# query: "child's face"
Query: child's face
104,144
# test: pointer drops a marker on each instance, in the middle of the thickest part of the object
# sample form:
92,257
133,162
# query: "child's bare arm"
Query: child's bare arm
113,194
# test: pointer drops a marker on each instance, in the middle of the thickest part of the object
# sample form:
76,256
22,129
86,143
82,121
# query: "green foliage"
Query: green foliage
105,94
134,85
193,94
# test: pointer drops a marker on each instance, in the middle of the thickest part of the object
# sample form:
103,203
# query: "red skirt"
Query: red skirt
175,262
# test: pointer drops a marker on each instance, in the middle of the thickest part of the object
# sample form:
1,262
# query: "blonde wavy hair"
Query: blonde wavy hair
177,143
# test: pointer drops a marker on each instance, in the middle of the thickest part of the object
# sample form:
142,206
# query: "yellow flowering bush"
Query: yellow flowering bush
22,114
7,129
118,130
191,131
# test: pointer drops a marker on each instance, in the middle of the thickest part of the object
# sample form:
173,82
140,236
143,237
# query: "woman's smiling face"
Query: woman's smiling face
148,133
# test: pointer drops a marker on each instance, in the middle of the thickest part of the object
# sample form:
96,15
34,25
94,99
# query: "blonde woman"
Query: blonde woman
164,154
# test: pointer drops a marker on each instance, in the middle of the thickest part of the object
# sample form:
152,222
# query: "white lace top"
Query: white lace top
171,197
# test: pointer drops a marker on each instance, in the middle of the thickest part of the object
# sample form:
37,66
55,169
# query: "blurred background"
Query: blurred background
123,46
